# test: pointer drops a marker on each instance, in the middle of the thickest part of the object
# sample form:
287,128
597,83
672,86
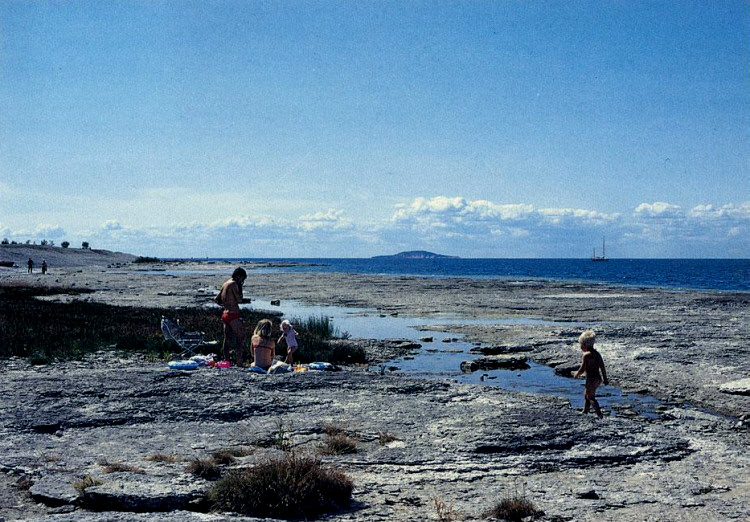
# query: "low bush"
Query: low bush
514,508
208,469
146,259
288,487
335,352
38,359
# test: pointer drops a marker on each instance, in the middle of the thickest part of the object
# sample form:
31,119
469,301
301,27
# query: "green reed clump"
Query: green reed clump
320,326
287,487
321,341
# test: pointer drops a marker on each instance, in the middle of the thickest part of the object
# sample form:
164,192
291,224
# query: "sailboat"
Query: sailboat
602,257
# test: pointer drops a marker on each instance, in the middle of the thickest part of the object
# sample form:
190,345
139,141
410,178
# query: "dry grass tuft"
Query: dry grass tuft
445,511
385,437
87,482
161,457
24,483
114,467
340,444
332,429
227,456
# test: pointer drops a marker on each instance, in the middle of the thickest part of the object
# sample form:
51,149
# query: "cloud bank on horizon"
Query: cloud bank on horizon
449,225
275,128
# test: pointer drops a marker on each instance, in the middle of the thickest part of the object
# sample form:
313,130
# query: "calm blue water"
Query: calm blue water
700,274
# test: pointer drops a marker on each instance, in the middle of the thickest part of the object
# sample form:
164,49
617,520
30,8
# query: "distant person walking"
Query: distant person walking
44,266
592,365
230,298
30,264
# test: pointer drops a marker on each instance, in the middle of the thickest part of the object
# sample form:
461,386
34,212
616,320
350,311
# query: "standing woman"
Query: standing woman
230,298
262,346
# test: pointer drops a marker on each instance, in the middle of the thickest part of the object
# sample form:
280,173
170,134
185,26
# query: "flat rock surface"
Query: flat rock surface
468,445
465,445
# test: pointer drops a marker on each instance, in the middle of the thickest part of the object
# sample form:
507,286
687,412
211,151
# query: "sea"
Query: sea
686,274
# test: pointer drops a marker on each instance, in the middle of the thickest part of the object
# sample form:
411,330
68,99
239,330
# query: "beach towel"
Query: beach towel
280,367
183,365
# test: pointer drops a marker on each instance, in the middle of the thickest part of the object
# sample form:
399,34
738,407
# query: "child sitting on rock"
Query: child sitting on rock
592,365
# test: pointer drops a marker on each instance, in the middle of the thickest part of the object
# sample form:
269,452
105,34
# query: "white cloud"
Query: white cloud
451,225
559,215
46,231
658,209
458,207
741,211
331,219
112,225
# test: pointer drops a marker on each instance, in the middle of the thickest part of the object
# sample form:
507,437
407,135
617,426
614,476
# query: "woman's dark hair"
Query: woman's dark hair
239,273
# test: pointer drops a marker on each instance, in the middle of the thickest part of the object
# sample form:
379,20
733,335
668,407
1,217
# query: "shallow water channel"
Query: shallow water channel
441,358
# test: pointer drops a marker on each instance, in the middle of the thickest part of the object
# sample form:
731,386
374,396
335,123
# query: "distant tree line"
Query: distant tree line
44,242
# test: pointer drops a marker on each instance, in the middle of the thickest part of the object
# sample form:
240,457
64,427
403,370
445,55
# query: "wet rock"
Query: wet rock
426,339
566,371
502,362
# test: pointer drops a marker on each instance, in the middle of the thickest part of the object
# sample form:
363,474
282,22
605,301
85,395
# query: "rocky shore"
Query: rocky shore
419,443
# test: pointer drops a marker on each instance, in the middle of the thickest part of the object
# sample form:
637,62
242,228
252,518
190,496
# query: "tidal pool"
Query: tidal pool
441,358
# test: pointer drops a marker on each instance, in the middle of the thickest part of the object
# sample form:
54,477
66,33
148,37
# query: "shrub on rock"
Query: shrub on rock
288,487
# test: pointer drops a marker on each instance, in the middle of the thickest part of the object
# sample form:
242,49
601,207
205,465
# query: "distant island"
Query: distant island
416,254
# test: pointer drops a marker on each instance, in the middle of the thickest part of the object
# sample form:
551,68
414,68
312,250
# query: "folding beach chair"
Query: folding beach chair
187,341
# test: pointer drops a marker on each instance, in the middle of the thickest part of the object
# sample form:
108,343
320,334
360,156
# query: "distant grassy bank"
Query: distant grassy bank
57,256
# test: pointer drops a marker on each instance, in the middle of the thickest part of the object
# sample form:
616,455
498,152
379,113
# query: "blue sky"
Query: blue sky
350,129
